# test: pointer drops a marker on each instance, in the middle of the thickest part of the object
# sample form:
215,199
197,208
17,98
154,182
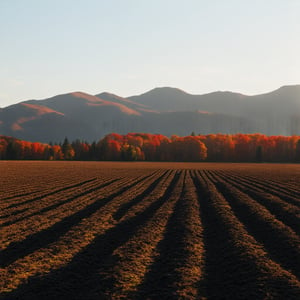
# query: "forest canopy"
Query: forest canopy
156,147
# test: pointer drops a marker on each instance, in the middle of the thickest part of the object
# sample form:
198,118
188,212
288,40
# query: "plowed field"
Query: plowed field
93,230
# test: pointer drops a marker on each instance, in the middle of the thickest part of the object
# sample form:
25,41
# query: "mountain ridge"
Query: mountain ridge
164,110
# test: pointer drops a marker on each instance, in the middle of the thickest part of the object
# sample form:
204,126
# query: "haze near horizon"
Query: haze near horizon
129,47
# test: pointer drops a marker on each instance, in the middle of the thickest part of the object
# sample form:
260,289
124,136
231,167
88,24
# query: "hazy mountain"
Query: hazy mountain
284,100
161,110
172,99
277,112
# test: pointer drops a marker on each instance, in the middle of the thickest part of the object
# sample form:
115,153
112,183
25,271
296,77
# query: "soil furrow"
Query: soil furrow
60,252
83,273
128,205
280,241
148,230
59,202
237,266
289,189
17,232
285,212
269,188
19,195
177,268
50,194
43,237
136,254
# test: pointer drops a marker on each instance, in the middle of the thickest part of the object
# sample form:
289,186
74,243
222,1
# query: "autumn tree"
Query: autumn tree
188,149
57,153
156,147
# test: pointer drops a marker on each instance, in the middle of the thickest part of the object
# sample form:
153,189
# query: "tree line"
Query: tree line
156,147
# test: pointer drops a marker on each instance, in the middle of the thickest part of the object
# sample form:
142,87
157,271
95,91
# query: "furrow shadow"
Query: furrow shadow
162,276
82,277
126,206
275,186
56,205
51,193
273,190
41,239
279,245
19,195
227,275
14,213
288,217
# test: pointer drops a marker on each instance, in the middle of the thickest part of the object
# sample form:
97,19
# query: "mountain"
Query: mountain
162,110
285,99
274,113
172,99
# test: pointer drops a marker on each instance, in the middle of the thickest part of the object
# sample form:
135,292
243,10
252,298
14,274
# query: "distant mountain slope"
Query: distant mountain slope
172,99
162,110
277,112
74,103
284,100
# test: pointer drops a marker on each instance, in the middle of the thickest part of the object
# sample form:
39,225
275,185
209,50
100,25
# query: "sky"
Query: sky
127,47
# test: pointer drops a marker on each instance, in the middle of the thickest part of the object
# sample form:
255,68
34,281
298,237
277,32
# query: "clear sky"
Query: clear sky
127,47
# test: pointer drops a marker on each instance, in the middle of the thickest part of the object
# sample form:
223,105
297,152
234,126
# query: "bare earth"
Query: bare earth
102,230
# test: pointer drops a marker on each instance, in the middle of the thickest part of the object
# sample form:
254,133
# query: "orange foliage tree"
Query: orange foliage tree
156,147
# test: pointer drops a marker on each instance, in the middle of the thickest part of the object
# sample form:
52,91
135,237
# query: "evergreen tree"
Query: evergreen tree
93,152
297,156
67,150
258,154
12,150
